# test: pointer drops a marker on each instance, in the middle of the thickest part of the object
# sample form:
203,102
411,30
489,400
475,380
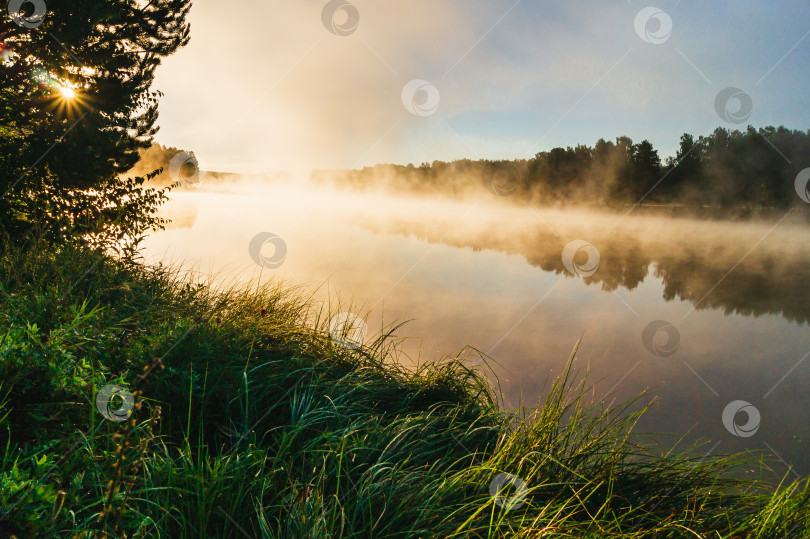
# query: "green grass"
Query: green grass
261,426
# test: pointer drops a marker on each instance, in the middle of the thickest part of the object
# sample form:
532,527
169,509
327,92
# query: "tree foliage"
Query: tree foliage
62,158
755,168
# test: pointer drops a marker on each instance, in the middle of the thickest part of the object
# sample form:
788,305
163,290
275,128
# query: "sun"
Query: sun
67,97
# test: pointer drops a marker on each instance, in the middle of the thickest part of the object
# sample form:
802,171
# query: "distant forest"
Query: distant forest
755,168
157,157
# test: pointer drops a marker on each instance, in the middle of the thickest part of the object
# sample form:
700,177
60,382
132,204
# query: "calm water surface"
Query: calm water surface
489,276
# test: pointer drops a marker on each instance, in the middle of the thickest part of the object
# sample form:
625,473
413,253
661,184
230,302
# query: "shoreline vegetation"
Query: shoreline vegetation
728,174
248,420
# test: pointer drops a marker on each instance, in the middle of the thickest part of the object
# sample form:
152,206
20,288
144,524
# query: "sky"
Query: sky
275,85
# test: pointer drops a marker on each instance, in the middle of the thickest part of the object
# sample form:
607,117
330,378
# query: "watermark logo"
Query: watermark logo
420,97
340,17
502,183
115,403
733,105
185,169
572,262
497,486
803,185
276,259
27,20
653,25
651,337
744,430
348,330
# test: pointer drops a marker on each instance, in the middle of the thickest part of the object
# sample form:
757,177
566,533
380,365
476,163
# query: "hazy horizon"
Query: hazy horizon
314,85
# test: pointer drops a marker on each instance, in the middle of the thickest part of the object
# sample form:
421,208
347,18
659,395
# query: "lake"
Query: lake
711,317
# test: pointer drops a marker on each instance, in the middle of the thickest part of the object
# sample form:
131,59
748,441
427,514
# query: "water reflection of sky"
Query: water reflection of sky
469,278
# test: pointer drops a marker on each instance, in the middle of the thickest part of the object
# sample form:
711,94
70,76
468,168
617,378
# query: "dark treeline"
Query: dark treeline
755,168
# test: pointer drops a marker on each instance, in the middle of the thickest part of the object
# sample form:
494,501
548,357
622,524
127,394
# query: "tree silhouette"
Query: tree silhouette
60,156
746,170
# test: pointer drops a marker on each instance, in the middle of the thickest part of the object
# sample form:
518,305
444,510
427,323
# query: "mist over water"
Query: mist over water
485,273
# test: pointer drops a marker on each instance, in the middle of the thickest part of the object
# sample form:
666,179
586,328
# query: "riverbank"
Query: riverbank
247,419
